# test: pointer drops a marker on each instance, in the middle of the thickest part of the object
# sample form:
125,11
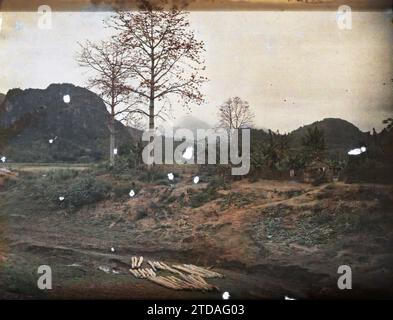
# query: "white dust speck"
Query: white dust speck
288,298
115,151
171,176
132,193
61,198
196,179
112,249
188,153
226,295
52,140
67,98
3,159
354,152
357,151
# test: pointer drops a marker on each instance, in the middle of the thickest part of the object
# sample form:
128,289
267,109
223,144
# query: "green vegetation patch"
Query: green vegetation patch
315,226
68,190
237,200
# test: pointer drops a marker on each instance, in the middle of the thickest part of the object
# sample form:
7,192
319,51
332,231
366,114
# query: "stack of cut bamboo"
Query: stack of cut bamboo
188,282
143,273
194,270
188,276
136,262
162,266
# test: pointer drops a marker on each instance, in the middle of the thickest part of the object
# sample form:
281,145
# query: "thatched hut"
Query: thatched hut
318,172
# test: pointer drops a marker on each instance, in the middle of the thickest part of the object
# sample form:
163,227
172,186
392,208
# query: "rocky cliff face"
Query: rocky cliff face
60,123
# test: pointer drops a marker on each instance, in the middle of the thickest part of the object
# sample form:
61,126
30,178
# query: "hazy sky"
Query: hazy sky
293,67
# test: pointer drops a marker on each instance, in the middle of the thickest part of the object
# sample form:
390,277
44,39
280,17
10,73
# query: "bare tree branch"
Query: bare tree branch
235,113
163,55
110,66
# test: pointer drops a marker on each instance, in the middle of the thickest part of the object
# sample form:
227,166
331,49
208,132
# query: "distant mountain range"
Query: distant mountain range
43,126
340,135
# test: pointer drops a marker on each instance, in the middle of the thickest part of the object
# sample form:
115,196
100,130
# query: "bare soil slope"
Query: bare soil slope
268,238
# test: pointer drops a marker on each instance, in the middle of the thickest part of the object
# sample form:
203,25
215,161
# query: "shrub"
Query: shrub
85,191
156,176
217,183
122,189
82,190
198,199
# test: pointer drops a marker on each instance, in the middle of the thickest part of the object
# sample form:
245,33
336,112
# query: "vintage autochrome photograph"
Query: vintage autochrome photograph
218,150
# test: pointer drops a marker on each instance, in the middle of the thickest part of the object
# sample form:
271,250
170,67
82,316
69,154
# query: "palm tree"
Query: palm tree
389,123
314,143
296,161
276,148
258,158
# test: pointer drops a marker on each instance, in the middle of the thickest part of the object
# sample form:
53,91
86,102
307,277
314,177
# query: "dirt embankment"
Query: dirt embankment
269,238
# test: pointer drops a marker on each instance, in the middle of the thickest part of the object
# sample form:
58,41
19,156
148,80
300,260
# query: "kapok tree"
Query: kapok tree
110,71
165,57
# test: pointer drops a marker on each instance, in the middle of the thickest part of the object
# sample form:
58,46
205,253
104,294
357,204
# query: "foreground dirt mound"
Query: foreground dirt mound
269,238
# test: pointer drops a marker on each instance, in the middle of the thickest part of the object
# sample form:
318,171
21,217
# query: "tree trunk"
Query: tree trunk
151,123
151,103
151,98
112,141
151,115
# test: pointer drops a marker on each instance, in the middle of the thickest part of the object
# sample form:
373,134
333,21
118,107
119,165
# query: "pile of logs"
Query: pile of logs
136,262
188,276
143,273
194,270
162,266
185,282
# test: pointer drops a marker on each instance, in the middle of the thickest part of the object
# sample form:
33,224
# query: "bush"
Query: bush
122,189
198,199
218,183
85,191
81,190
121,165
361,170
157,176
